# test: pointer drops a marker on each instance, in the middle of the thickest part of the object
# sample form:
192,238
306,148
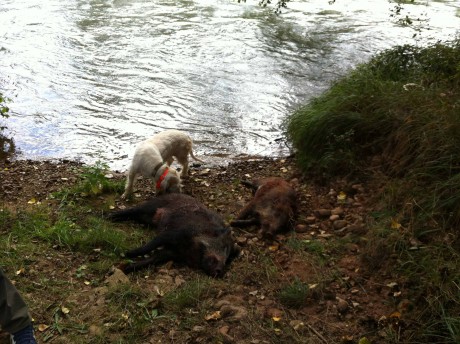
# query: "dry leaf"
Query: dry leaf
273,248
65,310
42,327
20,271
395,315
87,282
32,201
342,196
395,224
276,319
213,316
364,340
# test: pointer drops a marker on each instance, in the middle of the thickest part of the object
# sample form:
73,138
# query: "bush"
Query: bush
401,109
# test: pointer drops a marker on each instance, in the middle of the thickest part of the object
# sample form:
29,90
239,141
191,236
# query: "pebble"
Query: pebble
342,305
334,217
339,224
301,228
310,219
337,211
322,212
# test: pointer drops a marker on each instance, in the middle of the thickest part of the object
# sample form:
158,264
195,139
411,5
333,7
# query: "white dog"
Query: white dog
153,158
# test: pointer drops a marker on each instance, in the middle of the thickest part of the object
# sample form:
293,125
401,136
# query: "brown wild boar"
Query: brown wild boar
188,233
273,207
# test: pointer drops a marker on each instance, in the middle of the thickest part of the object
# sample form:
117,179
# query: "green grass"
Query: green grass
397,119
94,181
294,295
401,107
187,296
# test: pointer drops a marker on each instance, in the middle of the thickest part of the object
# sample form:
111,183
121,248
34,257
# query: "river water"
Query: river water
89,79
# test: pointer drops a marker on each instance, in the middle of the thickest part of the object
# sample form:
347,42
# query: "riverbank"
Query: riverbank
325,282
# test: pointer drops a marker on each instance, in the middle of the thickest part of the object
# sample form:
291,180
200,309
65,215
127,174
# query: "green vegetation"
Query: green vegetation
401,110
295,294
397,118
95,180
188,295
3,108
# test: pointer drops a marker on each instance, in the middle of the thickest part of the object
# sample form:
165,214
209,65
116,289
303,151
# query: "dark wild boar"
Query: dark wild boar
188,233
273,207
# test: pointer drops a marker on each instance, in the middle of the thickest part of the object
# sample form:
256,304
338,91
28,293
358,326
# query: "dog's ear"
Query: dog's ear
171,184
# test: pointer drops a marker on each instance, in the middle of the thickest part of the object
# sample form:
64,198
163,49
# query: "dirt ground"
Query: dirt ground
348,301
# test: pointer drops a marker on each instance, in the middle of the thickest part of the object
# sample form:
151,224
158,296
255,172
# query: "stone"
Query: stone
337,211
322,212
334,218
310,219
118,277
342,305
301,228
339,224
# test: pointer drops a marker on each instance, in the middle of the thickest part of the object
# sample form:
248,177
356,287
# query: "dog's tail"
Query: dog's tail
195,158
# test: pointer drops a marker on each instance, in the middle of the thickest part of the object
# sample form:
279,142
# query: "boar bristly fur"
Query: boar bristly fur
188,233
273,207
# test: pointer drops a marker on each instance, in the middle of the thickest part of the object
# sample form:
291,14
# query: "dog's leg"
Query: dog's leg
129,183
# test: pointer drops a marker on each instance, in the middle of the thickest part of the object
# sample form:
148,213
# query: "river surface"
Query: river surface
89,79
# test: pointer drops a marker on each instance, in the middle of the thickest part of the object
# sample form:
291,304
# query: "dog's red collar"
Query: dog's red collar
162,177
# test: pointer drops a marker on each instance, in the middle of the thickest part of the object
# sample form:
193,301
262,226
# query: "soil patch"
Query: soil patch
344,300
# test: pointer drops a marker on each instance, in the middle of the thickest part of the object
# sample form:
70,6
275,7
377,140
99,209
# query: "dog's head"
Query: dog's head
170,183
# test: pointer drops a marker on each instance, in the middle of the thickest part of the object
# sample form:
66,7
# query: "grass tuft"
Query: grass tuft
188,295
295,294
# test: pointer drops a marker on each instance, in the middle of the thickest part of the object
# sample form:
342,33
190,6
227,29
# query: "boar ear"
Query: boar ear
202,244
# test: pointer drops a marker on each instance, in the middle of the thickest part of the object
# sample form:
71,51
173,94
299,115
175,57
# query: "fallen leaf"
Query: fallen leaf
392,284
276,319
342,196
395,315
42,327
87,282
213,316
364,340
65,310
20,271
32,201
395,224
273,248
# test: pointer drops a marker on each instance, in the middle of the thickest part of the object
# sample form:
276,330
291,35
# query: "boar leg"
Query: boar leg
158,258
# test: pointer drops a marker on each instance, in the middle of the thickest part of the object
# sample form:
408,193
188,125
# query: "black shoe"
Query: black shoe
24,336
